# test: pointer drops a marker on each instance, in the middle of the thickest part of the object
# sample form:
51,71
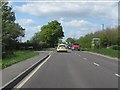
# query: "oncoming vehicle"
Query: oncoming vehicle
62,48
76,47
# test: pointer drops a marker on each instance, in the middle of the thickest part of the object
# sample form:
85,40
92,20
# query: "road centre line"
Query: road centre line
85,58
117,75
31,74
96,64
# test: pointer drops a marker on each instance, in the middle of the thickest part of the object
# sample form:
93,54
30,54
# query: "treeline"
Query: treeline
49,35
11,31
108,36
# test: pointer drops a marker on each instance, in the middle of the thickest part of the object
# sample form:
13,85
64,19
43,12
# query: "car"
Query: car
76,47
62,48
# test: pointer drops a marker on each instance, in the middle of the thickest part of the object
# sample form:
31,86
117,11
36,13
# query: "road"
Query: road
74,70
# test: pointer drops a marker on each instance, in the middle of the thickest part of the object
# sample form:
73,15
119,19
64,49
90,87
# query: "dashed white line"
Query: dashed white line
27,78
117,75
85,58
96,64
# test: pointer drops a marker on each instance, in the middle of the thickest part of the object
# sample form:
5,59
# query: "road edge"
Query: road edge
102,55
18,78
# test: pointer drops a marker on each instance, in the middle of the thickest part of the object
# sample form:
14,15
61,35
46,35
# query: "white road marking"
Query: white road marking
85,58
79,55
31,74
96,64
117,75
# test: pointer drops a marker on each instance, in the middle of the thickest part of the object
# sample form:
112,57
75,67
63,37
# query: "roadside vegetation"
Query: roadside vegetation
11,31
109,42
49,49
17,57
108,37
0,64
13,49
104,51
49,35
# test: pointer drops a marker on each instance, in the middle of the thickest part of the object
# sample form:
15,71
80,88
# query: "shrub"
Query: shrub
115,47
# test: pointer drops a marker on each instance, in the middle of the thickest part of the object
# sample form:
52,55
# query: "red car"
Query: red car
76,47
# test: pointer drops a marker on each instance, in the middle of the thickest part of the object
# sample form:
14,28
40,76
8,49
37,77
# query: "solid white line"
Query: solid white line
26,79
117,75
19,75
96,64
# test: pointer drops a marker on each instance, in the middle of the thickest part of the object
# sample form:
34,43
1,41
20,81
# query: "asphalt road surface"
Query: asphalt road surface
74,70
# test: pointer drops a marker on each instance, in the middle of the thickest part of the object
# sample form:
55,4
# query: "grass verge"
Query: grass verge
104,51
17,57
0,64
48,49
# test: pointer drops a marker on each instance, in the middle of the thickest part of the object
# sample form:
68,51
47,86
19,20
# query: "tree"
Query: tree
51,33
70,40
108,36
10,30
60,41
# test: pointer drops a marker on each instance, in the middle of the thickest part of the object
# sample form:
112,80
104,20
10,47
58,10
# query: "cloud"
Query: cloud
25,22
101,10
81,24
75,17
31,27
30,31
77,23
10,3
78,28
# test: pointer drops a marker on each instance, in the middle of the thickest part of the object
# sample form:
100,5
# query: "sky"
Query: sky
77,18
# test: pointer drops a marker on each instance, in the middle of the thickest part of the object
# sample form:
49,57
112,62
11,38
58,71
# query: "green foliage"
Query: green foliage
109,35
85,42
118,36
70,40
105,51
115,47
0,64
17,57
49,34
60,41
10,30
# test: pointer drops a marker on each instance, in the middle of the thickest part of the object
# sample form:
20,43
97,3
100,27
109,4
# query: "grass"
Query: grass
48,49
105,51
17,57
0,64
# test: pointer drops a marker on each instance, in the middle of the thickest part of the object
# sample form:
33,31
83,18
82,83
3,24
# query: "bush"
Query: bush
115,47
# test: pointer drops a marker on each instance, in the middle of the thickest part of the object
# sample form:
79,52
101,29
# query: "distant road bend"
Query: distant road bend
73,70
